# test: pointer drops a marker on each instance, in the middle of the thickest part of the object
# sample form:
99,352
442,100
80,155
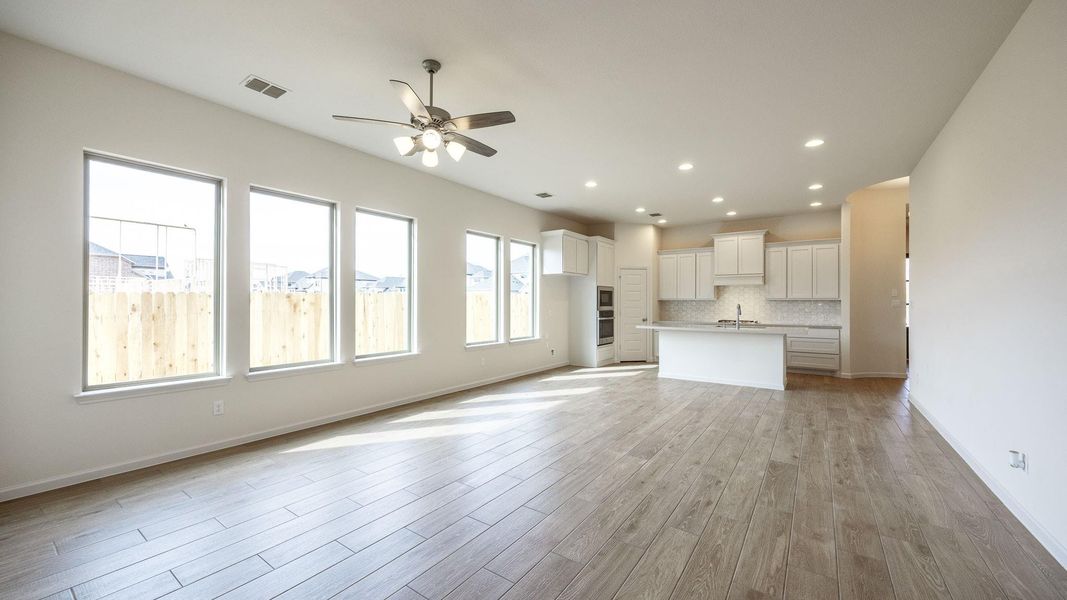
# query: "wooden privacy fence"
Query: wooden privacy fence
287,328
136,336
480,322
381,322
144,335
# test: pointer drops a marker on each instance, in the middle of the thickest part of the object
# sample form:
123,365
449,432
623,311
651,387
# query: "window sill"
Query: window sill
150,389
529,340
366,361
485,345
292,371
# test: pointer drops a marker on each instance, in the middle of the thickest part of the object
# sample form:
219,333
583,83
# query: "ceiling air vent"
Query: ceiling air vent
543,195
655,214
258,84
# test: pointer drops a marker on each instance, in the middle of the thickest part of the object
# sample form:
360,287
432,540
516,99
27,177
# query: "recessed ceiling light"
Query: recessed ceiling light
590,184
685,167
717,199
815,204
815,143
662,221
815,186
731,213
640,209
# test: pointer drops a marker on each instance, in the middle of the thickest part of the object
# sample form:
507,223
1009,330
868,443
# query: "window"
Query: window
291,300
152,302
523,298
483,295
384,322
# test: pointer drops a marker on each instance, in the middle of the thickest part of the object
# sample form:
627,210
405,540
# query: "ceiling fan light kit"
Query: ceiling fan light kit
434,126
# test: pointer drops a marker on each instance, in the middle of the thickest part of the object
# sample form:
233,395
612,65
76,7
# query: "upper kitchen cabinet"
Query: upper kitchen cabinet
803,271
687,274
775,263
565,253
739,258
605,262
826,272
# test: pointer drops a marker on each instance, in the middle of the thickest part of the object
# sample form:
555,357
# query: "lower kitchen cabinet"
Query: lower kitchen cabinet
813,349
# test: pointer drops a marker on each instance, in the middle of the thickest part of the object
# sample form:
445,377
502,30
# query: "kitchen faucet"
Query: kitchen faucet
738,317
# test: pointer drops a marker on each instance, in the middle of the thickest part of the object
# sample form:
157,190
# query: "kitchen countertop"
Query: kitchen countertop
710,328
686,323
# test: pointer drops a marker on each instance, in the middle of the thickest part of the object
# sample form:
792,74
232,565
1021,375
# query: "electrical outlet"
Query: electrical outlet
483,361
1018,459
218,407
553,351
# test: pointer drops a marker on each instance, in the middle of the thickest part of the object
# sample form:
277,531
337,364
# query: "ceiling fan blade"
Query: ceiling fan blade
478,121
366,120
411,100
471,144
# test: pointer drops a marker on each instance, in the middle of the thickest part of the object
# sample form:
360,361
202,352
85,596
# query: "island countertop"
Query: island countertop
710,328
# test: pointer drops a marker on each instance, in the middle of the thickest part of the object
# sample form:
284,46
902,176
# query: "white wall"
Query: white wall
53,107
877,226
813,225
989,273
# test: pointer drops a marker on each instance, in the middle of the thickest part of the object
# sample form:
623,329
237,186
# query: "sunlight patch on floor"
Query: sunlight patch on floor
633,367
453,413
532,395
403,435
592,376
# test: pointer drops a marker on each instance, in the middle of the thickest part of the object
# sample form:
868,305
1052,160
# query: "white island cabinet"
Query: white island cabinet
750,356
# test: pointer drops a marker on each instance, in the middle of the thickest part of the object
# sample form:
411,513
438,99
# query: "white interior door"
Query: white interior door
633,311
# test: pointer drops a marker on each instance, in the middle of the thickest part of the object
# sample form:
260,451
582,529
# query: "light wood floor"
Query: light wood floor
577,484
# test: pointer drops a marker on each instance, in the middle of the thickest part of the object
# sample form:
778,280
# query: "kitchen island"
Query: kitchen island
752,356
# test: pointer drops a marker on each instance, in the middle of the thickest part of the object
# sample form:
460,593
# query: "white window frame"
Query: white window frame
500,317
219,258
412,337
334,288
535,298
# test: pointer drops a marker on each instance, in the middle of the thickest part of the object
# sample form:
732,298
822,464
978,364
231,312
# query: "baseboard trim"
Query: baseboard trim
870,374
61,481
1053,545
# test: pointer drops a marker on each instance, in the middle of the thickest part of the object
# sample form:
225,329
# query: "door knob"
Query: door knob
644,320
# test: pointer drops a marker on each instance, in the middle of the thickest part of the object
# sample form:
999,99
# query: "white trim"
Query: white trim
150,389
1046,539
280,372
484,345
51,483
377,359
866,374
525,340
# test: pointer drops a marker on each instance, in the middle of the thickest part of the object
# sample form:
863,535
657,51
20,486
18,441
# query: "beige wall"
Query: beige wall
989,273
637,246
814,225
52,107
876,225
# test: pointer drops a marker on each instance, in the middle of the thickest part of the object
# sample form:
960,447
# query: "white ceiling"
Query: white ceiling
617,92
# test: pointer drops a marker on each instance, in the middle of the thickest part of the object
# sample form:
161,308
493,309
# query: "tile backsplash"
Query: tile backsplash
754,306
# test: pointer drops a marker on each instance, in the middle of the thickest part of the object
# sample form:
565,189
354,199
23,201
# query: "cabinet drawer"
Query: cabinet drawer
605,352
804,332
820,362
813,345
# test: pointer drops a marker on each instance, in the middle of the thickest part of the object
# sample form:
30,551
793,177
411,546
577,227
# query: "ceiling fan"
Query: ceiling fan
435,126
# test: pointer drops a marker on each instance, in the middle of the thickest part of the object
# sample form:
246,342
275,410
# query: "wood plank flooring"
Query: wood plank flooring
573,484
